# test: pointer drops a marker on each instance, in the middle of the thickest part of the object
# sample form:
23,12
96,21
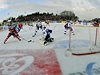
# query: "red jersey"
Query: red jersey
47,22
13,30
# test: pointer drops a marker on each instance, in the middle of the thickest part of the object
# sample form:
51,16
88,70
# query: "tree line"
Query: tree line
63,16
44,16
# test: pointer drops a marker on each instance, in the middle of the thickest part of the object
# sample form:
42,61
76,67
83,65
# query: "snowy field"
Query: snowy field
32,58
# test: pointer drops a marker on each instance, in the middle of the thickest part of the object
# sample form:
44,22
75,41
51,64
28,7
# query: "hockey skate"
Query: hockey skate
49,41
46,43
34,35
4,42
73,34
52,39
19,39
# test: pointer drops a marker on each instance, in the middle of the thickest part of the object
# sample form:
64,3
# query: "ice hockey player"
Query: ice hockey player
30,24
13,32
68,26
47,37
19,27
47,23
38,26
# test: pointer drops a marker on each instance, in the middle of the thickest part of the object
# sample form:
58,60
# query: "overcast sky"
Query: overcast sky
84,9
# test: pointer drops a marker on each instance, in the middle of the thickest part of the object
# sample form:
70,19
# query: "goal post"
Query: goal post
97,37
99,33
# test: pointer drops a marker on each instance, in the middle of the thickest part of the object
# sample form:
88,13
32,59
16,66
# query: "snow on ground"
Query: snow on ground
53,59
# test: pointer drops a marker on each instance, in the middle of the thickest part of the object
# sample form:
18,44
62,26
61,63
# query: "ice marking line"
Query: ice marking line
14,54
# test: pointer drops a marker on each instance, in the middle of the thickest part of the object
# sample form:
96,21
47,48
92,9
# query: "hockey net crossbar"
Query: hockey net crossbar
80,25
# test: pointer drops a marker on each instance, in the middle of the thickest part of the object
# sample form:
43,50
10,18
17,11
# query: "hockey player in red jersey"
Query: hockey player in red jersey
47,23
13,32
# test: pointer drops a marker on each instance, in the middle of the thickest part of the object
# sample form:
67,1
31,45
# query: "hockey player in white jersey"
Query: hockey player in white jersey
38,26
68,26
46,36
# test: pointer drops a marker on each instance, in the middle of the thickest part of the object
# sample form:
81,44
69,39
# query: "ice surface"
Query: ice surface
70,64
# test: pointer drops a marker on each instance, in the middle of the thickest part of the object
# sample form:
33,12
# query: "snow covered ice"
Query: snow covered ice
14,51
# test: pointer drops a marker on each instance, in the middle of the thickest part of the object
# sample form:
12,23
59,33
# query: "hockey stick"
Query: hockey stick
54,27
24,29
23,38
26,40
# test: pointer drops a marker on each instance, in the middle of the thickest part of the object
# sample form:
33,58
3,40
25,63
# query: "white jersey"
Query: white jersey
47,31
68,24
39,23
